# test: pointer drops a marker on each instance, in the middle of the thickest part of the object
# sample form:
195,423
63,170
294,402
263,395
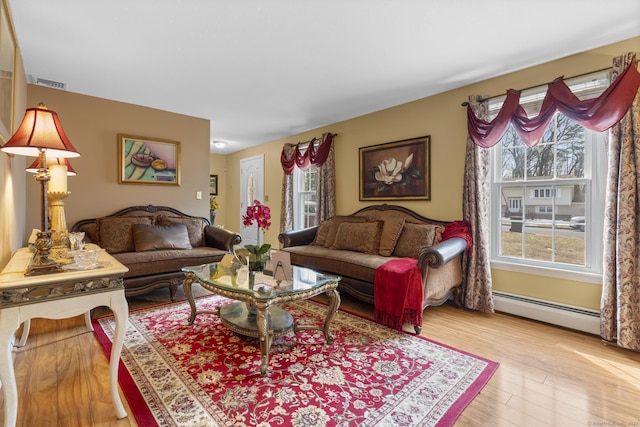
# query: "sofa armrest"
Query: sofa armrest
302,237
438,255
220,238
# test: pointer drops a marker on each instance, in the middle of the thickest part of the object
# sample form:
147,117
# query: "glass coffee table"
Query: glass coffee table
256,312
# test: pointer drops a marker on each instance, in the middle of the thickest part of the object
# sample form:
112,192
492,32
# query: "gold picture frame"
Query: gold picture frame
398,170
144,160
7,64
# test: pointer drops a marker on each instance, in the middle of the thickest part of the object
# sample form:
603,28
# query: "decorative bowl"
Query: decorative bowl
85,258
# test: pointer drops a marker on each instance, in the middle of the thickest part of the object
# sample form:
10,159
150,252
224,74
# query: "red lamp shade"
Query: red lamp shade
33,168
40,130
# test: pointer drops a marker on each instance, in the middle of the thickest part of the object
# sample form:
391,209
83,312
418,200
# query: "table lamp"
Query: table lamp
59,169
40,135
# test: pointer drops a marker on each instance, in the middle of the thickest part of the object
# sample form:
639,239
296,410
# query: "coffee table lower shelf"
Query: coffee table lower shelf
241,319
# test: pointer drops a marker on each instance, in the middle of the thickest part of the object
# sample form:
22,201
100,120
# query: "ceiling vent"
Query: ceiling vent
48,83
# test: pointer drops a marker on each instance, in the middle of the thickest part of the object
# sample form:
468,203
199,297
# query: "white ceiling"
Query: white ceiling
261,70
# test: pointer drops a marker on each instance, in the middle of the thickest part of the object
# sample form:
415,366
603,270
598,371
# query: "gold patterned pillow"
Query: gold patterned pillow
116,233
335,223
322,233
415,237
390,235
359,236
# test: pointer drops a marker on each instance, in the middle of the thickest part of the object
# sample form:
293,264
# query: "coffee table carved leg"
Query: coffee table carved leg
334,303
265,337
189,294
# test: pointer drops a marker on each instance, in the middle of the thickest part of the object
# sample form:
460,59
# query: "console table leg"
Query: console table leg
8,327
120,310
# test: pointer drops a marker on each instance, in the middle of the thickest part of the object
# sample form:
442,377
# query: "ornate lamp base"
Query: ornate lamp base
41,263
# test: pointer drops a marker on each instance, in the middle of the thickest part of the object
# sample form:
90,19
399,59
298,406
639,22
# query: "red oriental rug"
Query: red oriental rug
173,374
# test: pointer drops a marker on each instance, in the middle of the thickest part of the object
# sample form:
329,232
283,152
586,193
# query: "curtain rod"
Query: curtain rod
309,142
465,103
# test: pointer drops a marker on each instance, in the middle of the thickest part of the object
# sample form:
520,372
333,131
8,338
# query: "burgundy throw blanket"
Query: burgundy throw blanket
398,293
458,229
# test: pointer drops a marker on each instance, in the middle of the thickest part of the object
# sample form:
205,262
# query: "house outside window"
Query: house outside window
547,201
304,197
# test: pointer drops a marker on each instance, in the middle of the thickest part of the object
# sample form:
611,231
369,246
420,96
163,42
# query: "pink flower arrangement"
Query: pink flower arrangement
259,213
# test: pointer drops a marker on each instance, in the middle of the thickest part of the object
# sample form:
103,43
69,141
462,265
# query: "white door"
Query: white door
251,188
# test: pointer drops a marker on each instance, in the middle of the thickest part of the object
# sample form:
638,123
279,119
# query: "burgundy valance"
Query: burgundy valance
313,155
598,114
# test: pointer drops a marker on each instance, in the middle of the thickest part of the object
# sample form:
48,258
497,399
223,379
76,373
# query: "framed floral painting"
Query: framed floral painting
398,170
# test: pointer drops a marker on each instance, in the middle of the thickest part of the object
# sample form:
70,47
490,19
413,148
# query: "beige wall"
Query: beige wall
218,166
92,125
443,118
12,178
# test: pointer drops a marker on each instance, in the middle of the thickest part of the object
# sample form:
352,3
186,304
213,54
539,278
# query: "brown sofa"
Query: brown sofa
155,243
335,248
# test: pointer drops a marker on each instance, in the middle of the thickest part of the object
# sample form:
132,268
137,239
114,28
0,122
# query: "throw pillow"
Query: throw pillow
335,223
390,235
148,237
115,233
359,236
195,227
415,237
322,233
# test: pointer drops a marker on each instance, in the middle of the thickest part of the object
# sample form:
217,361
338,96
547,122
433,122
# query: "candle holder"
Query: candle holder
59,229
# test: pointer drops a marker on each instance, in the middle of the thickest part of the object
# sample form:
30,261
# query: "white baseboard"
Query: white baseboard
549,312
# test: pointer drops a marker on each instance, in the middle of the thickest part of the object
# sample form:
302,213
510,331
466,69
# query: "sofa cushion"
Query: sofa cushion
338,262
150,263
415,237
359,236
335,222
148,237
390,235
115,234
195,227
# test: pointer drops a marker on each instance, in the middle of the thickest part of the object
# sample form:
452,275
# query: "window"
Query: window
304,197
547,201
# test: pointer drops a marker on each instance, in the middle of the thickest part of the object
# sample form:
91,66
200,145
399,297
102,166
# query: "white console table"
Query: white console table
57,296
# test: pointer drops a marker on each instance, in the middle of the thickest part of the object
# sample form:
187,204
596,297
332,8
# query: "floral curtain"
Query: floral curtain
598,114
286,212
475,210
326,189
620,308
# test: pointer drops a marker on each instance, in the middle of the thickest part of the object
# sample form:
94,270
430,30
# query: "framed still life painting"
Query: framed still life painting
398,170
143,160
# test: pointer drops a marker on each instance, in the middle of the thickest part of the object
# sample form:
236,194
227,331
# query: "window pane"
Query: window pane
540,161
544,223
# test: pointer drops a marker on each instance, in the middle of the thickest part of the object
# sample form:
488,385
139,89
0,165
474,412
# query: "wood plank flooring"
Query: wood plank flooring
548,376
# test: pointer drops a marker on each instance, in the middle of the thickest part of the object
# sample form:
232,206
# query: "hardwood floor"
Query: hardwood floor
548,376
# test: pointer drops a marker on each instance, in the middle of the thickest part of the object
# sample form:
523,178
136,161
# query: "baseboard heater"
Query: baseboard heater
571,317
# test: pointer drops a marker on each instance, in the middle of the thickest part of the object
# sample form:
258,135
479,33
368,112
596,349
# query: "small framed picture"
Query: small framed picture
213,185
143,160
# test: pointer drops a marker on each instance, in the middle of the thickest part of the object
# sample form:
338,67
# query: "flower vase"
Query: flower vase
257,262
212,216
